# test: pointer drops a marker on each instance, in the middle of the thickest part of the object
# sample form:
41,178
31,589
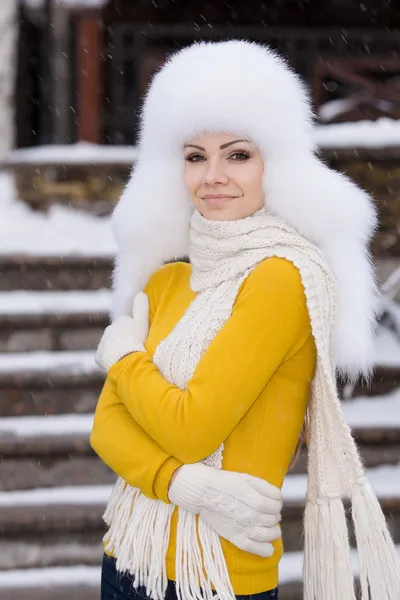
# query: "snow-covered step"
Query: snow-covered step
30,554
23,303
361,413
54,272
70,510
77,582
60,321
82,582
49,461
40,383
48,363
385,480
54,450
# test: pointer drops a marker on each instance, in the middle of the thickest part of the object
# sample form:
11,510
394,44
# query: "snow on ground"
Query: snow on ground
74,494
62,231
68,3
51,425
58,303
290,570
368,134
381,133
387,348
73,363
291,566
82,152
363,412
79,575
370,412
385,481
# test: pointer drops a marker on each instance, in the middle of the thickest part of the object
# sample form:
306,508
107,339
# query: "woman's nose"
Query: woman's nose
215,173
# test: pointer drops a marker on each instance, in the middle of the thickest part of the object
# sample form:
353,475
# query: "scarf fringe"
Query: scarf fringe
199,566
139,538
378,558
327,544
327,570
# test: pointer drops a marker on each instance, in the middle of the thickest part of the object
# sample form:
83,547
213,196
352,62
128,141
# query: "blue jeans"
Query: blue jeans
116,586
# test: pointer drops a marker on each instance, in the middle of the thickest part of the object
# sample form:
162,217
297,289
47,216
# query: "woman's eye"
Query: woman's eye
194,158
240,156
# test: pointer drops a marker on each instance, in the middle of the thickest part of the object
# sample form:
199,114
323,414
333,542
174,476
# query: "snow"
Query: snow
55,303
387,348
290,570
77,575
330,110
385,481
42,363
367,134
79,153
363,412
68,3
74,494
291,566
62,231
51,425
379,411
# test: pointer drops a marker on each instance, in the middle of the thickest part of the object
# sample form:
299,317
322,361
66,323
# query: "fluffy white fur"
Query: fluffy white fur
246,89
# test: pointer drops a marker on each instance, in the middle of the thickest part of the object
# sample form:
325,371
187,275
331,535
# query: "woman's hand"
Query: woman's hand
241,508
124,335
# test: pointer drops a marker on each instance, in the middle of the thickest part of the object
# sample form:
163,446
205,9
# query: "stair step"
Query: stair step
79,582
25,272
41,383
82,582
69,507
56,552
37,321
55,450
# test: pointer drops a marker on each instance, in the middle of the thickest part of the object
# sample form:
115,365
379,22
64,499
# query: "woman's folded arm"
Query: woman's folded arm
128,450
269,323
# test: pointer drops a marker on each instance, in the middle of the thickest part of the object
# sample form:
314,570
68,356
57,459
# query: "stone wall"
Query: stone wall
92,187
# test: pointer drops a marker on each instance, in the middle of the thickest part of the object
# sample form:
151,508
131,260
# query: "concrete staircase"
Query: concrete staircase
53,488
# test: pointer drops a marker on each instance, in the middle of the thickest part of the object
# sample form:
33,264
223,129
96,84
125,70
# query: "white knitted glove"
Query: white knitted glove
124,335
241,508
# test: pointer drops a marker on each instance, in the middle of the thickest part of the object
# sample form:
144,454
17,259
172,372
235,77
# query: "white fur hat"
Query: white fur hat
247,89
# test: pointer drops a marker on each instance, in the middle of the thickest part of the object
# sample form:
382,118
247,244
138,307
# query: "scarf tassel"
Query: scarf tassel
378,558
200,564
327,569
327,544
139,538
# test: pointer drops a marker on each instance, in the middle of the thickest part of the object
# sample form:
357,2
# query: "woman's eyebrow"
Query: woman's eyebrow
221,147
194,146
230,144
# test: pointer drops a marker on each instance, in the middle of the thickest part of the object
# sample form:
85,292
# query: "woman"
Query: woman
210,378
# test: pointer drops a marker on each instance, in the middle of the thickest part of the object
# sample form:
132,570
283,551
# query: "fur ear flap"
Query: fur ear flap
151,226
340,218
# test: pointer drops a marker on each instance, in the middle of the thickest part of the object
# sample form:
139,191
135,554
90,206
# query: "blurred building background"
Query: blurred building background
72,78
83,67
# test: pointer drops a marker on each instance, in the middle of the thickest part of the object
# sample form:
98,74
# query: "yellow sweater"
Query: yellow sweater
249,390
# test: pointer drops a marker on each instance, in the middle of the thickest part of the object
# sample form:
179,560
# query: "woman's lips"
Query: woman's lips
217,199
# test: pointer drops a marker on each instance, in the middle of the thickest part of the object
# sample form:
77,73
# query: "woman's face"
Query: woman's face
223,174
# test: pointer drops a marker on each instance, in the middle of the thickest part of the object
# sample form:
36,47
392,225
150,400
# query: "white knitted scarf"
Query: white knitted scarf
222,256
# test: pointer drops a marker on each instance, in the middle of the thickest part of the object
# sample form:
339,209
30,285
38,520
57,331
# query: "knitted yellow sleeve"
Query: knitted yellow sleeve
128,450
268,325
120,442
